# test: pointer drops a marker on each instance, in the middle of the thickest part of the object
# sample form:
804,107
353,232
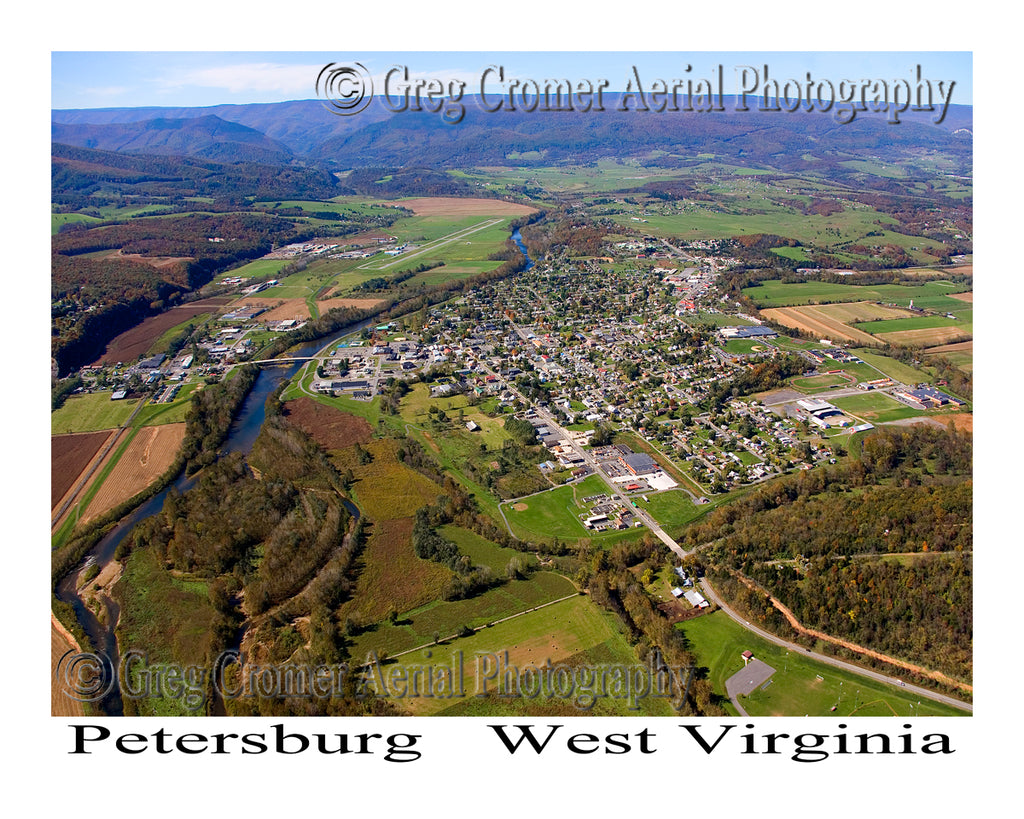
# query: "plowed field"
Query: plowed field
149,454
816,319
135,342
69,456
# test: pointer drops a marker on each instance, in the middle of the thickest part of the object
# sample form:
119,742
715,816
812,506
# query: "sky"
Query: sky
102,79
197,53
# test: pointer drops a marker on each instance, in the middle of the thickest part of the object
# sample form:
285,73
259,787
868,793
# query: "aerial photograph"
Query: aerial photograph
515,385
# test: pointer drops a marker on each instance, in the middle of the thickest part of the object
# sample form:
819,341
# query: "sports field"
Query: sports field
876,407
556,513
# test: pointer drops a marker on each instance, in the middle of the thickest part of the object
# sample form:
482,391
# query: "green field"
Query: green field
928,296
58,220
172,412
876,407
571,633
555,513
482,551
745,346
87,413
819,383
893,369
963,321
260,267
419,625
796,689
168,619
672,509
702,318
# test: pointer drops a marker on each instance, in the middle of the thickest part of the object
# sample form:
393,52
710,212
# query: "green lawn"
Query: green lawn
672,509
876,407
896,370
796,689
964,321
87,413
171,413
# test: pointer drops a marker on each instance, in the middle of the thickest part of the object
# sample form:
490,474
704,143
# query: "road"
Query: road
655,528
712,595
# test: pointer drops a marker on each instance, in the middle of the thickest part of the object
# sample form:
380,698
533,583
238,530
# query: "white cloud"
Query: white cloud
246,77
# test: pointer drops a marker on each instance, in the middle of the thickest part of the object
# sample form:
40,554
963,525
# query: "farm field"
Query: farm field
330,428
961,354
963,321
69,457
452,206
796,688
386,489
87,413
417,626
937,295
151,452
136,342
927,336
818,321
567,633
864,311
896,370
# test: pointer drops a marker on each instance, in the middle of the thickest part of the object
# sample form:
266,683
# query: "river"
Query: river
518,239
241,436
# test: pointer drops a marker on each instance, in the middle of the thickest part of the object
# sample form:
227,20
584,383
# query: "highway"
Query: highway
712,595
